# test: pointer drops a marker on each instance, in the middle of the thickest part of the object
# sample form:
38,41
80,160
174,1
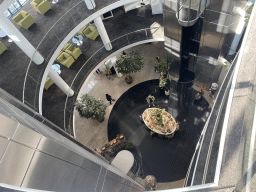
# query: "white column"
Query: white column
60,83
17,37
90,4
103,33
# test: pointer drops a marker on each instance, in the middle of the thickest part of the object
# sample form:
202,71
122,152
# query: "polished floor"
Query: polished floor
95,134
168,160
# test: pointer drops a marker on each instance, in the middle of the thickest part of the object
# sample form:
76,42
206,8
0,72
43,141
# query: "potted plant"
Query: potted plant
162,82
131,63
108,71
163,66
89,107
166,90
201,91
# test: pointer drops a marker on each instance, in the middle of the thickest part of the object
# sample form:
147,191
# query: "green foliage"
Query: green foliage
152,133
107,71
131,63
247,16
157,113
129,145
163,82
226,64
163,66
106,145
89,107
118,135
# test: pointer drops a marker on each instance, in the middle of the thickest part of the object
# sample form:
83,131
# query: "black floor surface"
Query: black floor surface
168,160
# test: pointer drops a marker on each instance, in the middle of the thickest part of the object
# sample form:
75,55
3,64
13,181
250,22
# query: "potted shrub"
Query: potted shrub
89,107
201,91
131,63
166,90
162,82
163,66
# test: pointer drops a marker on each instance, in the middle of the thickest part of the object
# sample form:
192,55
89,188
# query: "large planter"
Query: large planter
100,119
128,79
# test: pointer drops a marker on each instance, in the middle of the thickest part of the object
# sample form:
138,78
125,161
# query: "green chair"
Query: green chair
81,31
41,6
65,59
24,19
2,48
48,83
74,51
63,49
91,32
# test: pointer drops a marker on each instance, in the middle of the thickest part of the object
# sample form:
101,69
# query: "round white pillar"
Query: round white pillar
90,4
103,33
60,82
17,37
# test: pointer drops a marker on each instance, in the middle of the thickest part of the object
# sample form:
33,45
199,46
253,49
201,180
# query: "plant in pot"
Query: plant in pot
131,63
201,91
108,71
163,66
89,107
162,82
166,90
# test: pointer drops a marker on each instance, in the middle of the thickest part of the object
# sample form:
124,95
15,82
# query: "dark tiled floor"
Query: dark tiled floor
167,160
14,62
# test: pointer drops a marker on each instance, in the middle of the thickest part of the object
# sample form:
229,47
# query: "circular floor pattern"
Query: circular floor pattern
167,160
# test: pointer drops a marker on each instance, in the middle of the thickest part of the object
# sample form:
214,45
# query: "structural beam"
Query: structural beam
103,33
9,28
60,83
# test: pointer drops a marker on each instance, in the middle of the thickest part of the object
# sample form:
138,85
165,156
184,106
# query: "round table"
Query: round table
160,121
78,39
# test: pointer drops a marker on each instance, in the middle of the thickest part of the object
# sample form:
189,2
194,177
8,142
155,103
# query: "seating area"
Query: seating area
48,83
24,19
89,31
3,48
41,6
68,55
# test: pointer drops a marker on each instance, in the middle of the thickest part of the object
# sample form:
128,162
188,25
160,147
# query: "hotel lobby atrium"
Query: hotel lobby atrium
127,95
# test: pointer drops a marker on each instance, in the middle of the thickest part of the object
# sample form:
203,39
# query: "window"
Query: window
15,7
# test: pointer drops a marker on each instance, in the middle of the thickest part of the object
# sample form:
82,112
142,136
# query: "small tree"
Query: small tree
89,107
163,66
131,63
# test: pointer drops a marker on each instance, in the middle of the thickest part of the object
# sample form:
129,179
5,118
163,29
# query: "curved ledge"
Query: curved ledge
33,95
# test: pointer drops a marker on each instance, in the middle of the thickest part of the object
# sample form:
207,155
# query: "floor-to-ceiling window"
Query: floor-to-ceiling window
15,7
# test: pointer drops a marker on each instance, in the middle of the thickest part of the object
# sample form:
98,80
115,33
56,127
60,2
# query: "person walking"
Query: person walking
109,98
150,99
213,89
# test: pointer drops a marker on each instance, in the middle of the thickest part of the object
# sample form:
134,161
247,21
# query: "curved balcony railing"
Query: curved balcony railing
203,159
189,11
58,33
153,34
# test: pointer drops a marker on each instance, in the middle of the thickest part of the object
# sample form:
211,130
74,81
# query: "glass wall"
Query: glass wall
15,7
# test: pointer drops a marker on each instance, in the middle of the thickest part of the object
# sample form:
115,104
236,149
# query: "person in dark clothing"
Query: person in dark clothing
109,98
